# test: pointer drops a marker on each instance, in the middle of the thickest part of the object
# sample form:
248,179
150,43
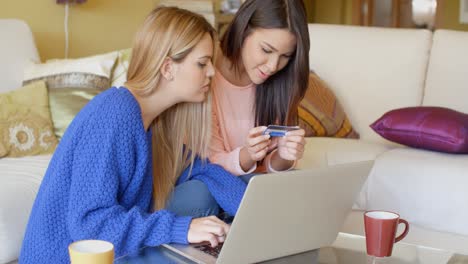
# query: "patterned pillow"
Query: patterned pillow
72,83
320,113
25,124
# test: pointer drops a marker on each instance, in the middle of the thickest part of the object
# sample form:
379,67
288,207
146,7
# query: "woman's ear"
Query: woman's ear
167,69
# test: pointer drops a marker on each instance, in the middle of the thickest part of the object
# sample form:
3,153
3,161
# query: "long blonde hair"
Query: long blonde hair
170,32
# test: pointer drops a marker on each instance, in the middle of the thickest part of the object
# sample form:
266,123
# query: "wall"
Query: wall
95,27
340,12
330,11
309,5
450,14
105,25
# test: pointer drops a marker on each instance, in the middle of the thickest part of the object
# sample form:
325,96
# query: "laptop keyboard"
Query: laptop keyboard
213,251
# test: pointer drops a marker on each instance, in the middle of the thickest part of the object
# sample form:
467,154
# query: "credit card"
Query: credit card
278,131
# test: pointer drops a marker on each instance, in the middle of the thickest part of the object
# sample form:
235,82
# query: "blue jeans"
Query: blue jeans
192,198
246,178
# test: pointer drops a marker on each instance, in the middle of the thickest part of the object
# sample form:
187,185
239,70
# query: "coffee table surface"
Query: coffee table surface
351,249
347,249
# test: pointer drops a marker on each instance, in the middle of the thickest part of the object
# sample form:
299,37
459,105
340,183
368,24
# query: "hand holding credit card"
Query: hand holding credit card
279,131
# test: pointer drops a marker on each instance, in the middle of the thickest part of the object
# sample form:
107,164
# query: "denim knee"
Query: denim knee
192,198
246,178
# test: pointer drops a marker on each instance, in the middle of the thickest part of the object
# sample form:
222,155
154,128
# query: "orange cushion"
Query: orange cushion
321,115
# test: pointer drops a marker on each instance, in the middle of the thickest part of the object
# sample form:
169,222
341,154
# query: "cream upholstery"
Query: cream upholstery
371,70
19,182
322,152
374,70
16,49
428,188
447,78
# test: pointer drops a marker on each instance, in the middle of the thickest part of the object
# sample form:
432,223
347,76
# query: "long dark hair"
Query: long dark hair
276,99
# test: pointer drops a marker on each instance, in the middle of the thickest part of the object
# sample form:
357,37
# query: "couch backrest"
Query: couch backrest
371,70
16,48
447,76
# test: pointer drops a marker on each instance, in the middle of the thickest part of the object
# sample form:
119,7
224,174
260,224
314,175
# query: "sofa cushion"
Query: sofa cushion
72,83
25,123
19,182
432,128
426,188
94,71
447,78
320,114
371,70
322,152
65,103
119,72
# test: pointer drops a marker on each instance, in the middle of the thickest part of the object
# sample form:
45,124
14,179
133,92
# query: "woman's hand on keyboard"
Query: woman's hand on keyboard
207,229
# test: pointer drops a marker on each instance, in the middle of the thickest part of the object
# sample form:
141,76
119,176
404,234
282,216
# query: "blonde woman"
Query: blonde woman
123,171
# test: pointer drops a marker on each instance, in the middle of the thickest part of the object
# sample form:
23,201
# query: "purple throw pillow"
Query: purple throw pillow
433,128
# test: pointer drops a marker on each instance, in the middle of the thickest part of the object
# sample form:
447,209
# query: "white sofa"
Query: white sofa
371,70
19,177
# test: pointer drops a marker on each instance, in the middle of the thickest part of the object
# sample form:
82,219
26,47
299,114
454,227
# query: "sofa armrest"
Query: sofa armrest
20,179
17,48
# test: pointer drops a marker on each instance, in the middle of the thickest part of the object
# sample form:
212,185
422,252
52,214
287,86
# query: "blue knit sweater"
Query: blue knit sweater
99,186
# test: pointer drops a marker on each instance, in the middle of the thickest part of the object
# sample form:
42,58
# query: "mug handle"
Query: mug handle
400,237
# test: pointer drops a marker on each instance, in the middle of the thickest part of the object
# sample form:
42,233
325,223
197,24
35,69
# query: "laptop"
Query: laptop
286,213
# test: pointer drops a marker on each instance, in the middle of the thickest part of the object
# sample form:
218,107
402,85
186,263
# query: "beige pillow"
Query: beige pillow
25,124
88,72
72,83
119,72
65,103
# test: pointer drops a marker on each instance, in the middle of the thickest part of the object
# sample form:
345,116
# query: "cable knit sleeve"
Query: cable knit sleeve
105,161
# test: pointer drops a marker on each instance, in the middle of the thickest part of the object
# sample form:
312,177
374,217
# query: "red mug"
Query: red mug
381,228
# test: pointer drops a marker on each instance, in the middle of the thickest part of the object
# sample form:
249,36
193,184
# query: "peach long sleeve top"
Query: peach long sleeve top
233,117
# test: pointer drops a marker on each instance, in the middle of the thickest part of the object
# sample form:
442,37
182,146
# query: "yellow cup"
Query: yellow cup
91,252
